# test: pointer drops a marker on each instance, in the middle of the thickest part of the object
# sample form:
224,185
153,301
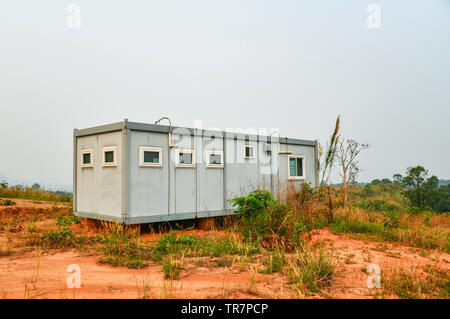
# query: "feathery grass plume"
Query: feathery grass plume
330,154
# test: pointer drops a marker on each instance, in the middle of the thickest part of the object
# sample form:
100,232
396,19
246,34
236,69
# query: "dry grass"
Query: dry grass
310,271
414,283
34,194
411,231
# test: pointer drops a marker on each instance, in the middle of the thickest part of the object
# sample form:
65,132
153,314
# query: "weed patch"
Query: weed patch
310,272
121,247
213,246
171,268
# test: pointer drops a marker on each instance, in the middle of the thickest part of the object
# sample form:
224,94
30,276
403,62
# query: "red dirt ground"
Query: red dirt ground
43,275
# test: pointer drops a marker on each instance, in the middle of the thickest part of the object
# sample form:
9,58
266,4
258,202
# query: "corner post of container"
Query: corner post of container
126,148
75,164
224,171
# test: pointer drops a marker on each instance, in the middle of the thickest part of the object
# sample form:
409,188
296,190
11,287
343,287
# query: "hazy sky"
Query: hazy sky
292,65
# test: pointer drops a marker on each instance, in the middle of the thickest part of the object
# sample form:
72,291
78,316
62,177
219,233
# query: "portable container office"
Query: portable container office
138,173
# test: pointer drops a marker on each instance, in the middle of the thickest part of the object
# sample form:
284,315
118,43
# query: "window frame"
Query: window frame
109,149
253,152
177,158
208,158
289,170
143,149
91,163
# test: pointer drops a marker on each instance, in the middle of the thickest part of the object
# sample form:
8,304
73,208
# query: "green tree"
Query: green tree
375,182
397,178
420,189
443,202
415,177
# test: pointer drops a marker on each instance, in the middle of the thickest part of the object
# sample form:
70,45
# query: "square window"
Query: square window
249,152
150,156
214,159
87,158
184,158
110,156
296,167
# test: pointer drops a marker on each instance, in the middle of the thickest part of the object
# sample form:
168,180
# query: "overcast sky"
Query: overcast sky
293,65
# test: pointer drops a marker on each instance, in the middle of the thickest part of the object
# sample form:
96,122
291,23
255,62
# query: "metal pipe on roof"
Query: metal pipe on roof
170,145
170,130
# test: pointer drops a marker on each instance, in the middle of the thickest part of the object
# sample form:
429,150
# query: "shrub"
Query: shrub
368,191
64,233
282,222
300,229
254,213
377,205
391,221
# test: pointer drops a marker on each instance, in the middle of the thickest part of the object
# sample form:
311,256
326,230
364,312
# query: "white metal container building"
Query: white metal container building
138,173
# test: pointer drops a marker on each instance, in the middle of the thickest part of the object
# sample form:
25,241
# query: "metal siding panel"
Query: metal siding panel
185,190
210,182
184,178
99,188
249,167
264,166
148,185
87,177
245,175
109,179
